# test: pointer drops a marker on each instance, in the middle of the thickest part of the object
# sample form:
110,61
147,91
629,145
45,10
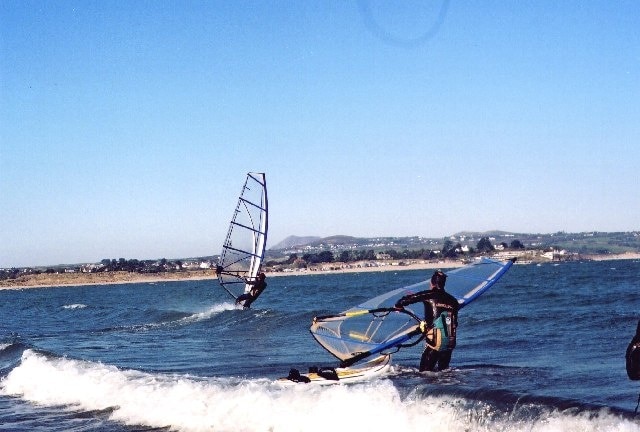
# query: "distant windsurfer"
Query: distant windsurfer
257,286
440,322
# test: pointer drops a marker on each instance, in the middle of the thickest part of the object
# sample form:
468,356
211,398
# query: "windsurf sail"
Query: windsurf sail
244,247
376,326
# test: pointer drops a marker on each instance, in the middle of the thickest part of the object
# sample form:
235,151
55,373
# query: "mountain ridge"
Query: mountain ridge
588,241
341,239
294,241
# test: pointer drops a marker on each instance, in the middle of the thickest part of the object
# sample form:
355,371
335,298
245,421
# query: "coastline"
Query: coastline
117,278
114,278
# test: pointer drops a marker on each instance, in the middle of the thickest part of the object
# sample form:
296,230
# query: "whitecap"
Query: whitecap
75,306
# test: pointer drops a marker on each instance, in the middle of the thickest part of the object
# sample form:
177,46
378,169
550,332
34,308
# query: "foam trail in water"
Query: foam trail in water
192,404
214,310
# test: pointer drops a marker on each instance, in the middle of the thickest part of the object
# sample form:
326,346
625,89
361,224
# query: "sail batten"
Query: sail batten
252,204
244,252
256,230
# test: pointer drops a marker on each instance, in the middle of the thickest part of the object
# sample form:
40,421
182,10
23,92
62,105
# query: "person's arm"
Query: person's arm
414,298
259,288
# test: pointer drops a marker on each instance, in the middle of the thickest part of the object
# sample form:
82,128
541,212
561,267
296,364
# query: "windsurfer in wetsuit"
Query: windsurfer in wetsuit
632,356
257,286
441,321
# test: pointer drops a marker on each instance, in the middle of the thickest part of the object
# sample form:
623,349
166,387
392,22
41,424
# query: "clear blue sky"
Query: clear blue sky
127,128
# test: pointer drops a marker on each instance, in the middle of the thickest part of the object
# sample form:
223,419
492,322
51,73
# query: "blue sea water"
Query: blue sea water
543,350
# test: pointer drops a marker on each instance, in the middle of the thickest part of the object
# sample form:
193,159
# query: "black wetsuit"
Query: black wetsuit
248,298
632,356
435,302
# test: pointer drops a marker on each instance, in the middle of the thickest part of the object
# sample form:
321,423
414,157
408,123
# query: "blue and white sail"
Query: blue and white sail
244,247
375,326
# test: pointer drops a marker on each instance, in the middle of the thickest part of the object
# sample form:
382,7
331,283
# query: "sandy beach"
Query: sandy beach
107,278
79,279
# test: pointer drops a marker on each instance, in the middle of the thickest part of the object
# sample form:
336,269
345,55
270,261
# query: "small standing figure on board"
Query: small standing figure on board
439,325
257,286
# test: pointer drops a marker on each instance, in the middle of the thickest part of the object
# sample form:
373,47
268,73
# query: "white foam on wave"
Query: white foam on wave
4,346
212,311
75,306
190,319
192,404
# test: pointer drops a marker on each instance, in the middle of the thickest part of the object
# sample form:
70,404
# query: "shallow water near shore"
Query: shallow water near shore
542,350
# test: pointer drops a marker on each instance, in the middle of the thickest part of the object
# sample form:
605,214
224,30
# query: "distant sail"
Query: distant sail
374,326
244,247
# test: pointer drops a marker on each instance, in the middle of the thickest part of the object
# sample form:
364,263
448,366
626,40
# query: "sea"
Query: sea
542,350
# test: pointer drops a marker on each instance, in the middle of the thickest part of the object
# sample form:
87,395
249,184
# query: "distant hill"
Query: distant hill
295,241
345,240
335,240
493,233
584,242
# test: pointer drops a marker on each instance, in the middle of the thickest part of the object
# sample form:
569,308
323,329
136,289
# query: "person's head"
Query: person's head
262,276
438,280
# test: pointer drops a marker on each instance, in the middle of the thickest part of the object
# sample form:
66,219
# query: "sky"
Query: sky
127,128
